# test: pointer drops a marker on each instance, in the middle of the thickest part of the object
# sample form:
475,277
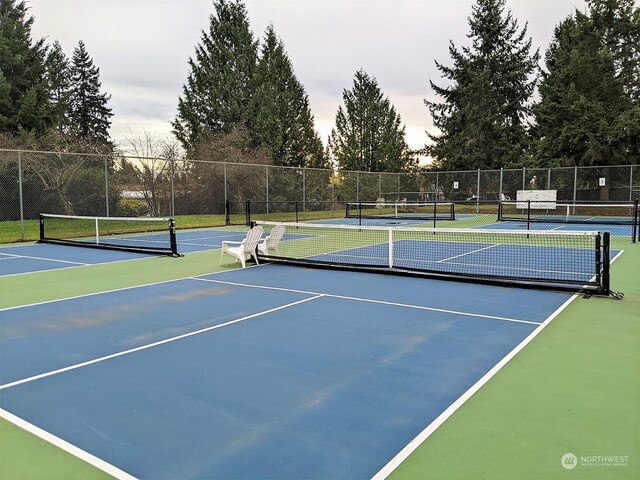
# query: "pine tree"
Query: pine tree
59,82
89,115
217,93
483,116
369,134
588,112
280,117
23,90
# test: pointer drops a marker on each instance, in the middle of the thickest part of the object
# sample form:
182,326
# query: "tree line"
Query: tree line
494,105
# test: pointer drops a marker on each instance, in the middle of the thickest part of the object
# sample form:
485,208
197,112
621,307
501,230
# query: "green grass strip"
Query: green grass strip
25,456
574,389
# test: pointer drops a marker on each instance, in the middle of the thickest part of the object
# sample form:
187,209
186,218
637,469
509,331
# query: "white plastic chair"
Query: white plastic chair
271,242
248,246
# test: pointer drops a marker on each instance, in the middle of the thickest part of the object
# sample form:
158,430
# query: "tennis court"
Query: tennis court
275,371
267,372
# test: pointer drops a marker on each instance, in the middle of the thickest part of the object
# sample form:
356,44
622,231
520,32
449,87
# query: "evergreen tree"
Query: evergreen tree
280,118
89,115
588,112
59,82
483,118
369,135
217,93
23,90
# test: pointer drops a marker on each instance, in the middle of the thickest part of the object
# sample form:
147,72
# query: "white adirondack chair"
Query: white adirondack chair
248,246
272,240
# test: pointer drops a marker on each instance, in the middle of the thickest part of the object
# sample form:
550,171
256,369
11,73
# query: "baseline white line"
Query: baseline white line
440,419
468,253
154,344
369,300
66,446
45,302
47,259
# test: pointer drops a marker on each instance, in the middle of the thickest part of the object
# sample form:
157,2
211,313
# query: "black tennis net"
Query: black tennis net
566,261
144,235
401,210
618,214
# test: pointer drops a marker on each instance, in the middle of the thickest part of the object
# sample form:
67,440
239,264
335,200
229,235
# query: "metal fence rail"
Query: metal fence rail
80,184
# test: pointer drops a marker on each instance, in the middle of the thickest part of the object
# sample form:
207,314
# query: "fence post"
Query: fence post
500,197
548,178
304,192
173,192
437,187
20,195
267,177
478,193
575,186
106,183
224,173
631,183
357,186
524,178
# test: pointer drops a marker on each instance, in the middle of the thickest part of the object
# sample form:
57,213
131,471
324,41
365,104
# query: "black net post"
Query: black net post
360,213
528,214
297,210
227,213
453,211
435,213
172,237
606,262
247,213
500,205
41,228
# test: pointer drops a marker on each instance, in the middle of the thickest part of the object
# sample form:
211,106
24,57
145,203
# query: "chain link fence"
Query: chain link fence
208,193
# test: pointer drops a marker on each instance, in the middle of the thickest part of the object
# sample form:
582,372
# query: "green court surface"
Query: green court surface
574,389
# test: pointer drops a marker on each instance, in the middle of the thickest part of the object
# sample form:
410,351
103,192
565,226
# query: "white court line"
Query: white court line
440,419
468,253
46,259
147,257
369,300
66,446
56,300
154,344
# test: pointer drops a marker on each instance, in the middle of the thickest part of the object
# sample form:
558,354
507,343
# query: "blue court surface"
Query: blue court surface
31,258
265,372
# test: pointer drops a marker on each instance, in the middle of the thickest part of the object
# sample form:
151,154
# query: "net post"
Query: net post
41,228
360,214
97,232
172,237
500,205
606,262
227,213
528,214
435,212
247,213
297,219
453,211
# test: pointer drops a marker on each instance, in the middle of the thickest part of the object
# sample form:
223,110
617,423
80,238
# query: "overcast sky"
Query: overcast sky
142,48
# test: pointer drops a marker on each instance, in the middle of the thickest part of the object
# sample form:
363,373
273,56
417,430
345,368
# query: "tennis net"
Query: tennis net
144,235
619,214
402,210
566,261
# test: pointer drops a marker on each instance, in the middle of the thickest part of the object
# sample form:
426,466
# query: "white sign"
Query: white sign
455,185
540,199
602,181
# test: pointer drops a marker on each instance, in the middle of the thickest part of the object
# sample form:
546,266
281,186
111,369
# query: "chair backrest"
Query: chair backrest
275,236
253,238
